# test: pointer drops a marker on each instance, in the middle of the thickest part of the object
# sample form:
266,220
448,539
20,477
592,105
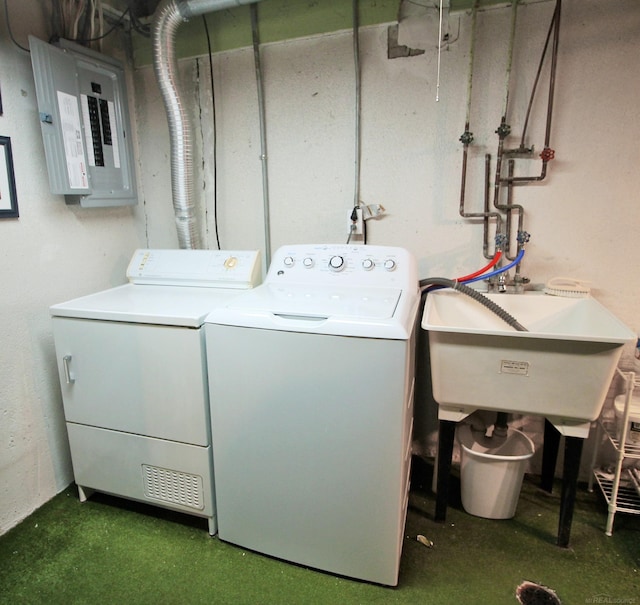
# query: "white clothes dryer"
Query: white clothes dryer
132,367
311,377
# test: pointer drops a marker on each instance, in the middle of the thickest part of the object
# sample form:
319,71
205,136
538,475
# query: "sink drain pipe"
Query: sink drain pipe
167,18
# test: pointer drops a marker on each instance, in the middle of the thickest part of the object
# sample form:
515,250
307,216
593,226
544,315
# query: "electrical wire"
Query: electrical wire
77,20
357,146
101,22
137,25
8,20
69,21
537,78
92,24
439,51
351,232
215,137
356,62
109,31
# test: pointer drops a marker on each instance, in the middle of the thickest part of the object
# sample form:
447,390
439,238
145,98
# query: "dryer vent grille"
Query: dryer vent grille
173,487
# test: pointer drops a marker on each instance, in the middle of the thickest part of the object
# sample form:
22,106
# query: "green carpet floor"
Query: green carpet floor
111,551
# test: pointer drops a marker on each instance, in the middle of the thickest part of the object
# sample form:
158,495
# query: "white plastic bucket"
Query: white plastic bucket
491,471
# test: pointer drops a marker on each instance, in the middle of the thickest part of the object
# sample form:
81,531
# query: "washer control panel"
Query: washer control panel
348,265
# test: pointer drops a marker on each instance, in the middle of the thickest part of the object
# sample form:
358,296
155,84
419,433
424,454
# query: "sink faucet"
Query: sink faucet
504,284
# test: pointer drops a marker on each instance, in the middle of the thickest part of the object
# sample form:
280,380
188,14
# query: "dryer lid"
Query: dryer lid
170,287
160,305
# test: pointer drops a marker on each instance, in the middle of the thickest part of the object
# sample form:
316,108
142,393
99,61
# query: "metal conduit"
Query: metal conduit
466,139
502,240
504,129
167,18
356,64
263,135
547,153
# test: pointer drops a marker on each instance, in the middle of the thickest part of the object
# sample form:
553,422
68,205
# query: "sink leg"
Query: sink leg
571,468
446,434
550,449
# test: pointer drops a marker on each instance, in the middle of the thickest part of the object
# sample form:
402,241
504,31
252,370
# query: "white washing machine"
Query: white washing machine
311,377
132,367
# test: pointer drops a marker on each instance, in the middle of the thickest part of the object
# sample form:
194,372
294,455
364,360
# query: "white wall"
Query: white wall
583,219
51,253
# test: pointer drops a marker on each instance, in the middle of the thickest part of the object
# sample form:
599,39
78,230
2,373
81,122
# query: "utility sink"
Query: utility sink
560,369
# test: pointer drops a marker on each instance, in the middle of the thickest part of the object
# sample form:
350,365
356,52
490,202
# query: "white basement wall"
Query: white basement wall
583,219
51,253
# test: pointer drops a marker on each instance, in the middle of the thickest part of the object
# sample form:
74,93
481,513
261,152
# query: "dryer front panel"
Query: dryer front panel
142,379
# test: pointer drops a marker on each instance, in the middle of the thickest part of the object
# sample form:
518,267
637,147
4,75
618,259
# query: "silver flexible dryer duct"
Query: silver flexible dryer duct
169,15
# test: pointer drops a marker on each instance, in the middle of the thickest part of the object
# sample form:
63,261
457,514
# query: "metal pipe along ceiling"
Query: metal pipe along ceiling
167,18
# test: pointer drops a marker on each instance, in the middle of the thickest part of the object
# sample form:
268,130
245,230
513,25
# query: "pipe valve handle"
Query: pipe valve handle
547,154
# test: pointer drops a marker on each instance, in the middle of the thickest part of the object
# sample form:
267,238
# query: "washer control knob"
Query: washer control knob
336,263
390,264
308,262
288,261
231,262
368,264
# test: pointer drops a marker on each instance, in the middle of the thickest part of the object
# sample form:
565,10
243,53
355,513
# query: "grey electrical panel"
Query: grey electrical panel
82,102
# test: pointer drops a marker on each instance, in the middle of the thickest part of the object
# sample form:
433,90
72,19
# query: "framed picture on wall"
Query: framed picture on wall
8,196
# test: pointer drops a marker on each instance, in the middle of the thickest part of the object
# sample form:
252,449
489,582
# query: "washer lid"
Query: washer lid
343,311
319,301
164,305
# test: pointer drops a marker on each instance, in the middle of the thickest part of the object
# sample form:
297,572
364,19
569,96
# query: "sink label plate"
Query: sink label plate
508,366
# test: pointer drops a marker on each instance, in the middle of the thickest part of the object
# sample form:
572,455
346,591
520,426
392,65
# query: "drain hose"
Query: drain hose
478,296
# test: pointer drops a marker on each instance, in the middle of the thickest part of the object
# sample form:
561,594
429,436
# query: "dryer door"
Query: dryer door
137,378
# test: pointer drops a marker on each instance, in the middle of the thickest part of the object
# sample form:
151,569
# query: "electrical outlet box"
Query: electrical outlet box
355,227
84,118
